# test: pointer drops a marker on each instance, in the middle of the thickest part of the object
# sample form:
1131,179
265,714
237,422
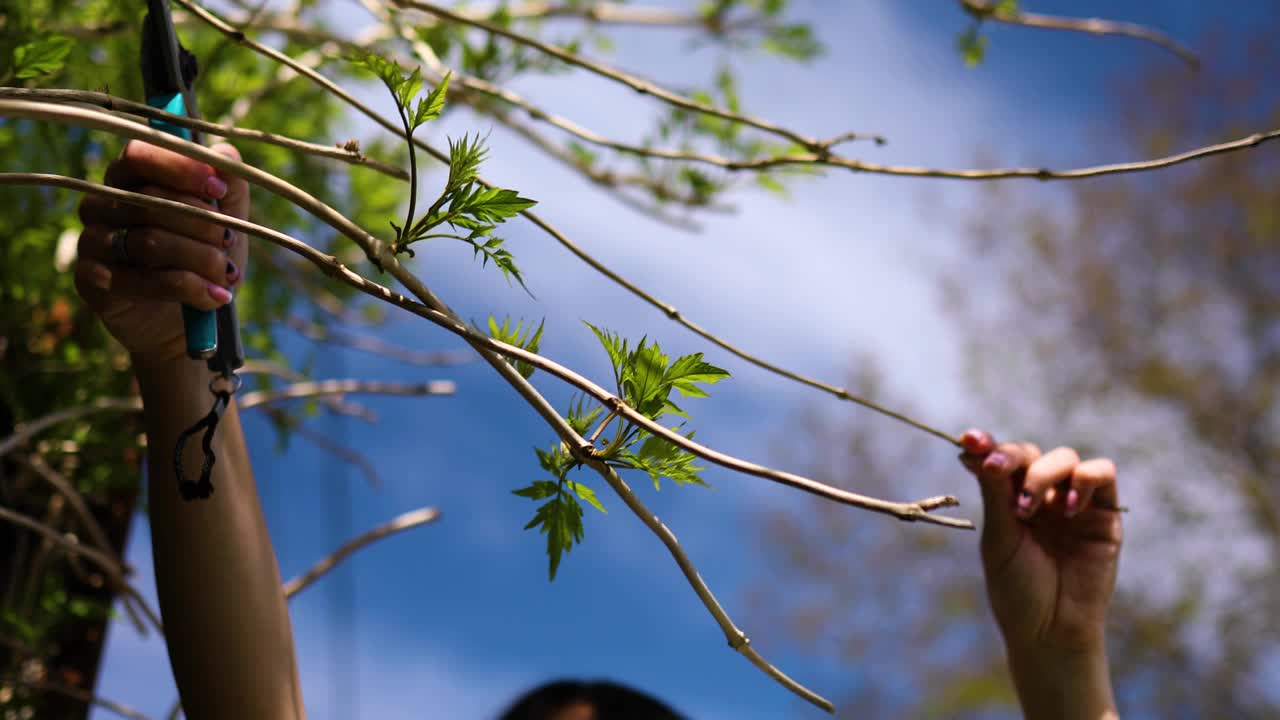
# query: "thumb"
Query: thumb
236,201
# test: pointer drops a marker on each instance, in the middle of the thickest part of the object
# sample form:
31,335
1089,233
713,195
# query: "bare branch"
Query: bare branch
736,638
303,390
73,497
23,432
336,405
370,344
412,519
95,531
322,441
68,542
989,10
493,350
111,102
641,86
669,310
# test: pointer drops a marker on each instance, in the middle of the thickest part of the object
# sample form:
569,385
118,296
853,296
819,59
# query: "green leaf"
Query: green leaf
582,424
690,369
407,87
430,107
560,519
492,205
660,458
587,494
517,336
465,156
973,45
538,490
41,57
643,380
615,346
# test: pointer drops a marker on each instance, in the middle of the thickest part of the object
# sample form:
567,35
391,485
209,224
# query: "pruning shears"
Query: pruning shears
168,71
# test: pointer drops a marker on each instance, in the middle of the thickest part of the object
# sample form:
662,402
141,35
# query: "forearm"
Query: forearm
227,623
1063,685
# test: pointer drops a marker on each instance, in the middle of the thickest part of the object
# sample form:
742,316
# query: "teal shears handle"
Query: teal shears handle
201,325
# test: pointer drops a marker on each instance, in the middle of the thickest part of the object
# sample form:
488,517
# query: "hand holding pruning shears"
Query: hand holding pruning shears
136,264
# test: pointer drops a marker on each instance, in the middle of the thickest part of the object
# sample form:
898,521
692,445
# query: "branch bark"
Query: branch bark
494,350
409,520
989,10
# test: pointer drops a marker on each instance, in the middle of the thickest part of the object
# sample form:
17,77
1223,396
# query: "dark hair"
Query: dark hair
610,701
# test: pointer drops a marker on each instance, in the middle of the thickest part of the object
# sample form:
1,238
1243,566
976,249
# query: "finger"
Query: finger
997,478
93,282
236,201
145,164
977,442
181,286
102,211
1042,475
159,249
1094,478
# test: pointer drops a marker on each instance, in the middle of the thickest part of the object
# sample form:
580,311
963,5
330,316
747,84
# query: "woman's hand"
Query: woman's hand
1051,538
136,281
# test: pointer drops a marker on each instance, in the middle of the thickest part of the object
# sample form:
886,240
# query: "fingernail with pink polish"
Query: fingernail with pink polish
996,462
219,294
214,187
1073,503
1024,503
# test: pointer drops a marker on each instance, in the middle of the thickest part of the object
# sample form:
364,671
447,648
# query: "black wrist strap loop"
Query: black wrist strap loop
203,488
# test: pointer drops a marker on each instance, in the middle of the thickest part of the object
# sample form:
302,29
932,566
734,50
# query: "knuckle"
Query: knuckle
1066,453
213,263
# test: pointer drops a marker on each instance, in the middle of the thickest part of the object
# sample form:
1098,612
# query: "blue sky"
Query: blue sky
456,619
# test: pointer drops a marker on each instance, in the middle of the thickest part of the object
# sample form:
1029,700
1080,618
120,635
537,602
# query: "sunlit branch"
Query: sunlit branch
640,85
110,102
338,405
409,520
491,348
437,313
304,390
991,10
560,237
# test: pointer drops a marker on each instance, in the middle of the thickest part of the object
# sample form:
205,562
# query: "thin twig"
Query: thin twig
494,350
112,102
97,535
303,390
23,432
736,638
380,251
640,85
988,10
325,444
68,542
336,405
411,519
